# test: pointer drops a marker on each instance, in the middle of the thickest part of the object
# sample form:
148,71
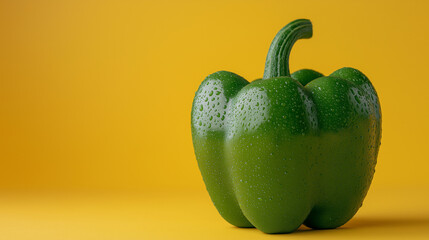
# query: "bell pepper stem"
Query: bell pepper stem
277,63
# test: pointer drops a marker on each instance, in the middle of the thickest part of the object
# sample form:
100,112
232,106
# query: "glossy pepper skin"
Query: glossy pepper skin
287,150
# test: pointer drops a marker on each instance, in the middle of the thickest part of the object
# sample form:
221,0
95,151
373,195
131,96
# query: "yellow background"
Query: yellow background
95,96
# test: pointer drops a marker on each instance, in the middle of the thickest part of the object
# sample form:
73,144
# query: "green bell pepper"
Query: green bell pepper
287,150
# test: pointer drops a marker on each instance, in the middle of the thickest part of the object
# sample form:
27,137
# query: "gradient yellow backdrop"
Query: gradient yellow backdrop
96,95
95,103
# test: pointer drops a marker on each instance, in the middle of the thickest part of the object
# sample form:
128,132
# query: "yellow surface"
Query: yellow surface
95,96
387,214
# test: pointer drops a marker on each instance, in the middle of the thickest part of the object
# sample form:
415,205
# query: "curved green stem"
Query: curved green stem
277,63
